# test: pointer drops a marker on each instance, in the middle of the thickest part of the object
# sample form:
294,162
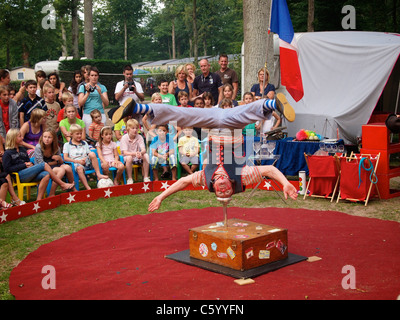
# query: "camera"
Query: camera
131,85
91,89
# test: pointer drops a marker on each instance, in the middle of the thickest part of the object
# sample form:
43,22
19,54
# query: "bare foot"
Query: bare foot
67,186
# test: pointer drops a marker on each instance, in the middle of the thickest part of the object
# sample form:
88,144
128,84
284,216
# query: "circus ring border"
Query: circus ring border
38,206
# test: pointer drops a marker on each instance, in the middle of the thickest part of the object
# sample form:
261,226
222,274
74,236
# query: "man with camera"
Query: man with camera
128,88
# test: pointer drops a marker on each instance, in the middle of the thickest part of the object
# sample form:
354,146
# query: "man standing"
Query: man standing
207,82
227,74
128,88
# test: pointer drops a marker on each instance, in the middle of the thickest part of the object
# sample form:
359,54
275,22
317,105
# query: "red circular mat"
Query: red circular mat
125,259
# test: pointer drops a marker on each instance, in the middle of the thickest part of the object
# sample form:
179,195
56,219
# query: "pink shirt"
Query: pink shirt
132,145
108,151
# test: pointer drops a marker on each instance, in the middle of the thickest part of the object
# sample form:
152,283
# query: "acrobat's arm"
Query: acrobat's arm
179,185
274,173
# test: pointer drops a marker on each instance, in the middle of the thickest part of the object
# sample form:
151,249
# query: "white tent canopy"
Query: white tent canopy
344,74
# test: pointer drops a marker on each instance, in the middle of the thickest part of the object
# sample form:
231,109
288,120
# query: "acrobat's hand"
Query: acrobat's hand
155,204
290,190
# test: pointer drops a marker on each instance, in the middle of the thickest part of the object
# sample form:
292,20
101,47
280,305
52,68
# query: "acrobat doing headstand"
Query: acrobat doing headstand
225,172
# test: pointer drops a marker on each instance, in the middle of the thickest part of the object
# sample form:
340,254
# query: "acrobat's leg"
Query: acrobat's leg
282,105
129,108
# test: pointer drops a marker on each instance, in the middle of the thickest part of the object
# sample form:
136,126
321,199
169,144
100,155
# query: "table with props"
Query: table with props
291,153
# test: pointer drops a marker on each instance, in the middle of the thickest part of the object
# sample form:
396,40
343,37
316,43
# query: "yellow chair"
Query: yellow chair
21,186
135,167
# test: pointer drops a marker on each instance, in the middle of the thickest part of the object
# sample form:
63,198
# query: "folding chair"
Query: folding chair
324,173
135,167
87,172
22,185
114,170
358,176
179,166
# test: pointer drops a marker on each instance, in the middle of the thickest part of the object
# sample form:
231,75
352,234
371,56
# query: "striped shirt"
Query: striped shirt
250,175
27,105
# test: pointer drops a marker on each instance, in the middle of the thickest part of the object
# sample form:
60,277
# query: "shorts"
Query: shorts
135,161
186,160
88,165
156,161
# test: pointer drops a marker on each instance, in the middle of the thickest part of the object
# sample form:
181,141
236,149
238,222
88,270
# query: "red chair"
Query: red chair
324,173
358,176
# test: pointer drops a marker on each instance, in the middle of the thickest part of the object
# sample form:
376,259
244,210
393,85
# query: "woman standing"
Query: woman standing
269,89
181,83
92,95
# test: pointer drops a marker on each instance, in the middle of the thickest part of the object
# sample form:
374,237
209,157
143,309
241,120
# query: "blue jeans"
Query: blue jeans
34,173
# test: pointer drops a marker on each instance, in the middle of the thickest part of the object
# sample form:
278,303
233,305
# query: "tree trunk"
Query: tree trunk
64,40
310,20
258,46
75,29
195,35
88,7
173,40
125,40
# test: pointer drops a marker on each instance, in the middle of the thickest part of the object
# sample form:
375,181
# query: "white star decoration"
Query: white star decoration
71,198
107,193
3,217
165,185
145,187
36,206
267,185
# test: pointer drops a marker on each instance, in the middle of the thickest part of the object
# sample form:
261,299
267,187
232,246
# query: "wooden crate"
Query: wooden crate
242,245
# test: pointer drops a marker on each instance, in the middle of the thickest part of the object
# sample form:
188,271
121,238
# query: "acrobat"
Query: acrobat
225,173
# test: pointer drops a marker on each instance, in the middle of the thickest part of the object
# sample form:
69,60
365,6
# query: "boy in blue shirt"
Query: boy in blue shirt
32,101
163,153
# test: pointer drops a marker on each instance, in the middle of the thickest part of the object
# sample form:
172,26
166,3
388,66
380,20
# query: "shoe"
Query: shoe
18,202
166,175
147,179
129,181
284,107
126,109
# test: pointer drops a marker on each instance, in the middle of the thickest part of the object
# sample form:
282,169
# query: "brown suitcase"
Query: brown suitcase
242,245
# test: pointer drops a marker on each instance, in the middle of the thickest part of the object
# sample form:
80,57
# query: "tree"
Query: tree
126,14
258,46
88,12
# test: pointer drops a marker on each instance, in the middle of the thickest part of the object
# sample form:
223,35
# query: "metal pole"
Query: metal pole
225,202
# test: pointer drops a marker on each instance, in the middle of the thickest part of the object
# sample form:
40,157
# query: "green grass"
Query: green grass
20,237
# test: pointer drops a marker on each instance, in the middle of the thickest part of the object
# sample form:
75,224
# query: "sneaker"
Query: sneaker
126,109
129,181
147,179
284,107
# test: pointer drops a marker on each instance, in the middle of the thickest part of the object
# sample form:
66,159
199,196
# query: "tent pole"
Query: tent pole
266,58
397,100
395,109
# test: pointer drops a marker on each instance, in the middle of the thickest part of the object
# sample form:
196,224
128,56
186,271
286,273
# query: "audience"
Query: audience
32,117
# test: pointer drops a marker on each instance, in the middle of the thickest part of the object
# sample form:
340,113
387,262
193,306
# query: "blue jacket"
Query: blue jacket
14,161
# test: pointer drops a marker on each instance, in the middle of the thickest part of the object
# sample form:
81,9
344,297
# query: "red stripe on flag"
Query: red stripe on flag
290,73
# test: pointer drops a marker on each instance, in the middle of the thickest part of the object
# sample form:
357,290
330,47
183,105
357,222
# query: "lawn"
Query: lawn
20,237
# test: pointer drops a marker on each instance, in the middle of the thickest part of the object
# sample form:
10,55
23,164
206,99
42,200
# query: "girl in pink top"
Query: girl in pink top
108,154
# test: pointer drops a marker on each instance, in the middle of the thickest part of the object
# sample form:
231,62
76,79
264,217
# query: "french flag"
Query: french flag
290,69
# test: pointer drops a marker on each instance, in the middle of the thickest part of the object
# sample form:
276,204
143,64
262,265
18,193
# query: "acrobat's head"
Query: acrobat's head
223,187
